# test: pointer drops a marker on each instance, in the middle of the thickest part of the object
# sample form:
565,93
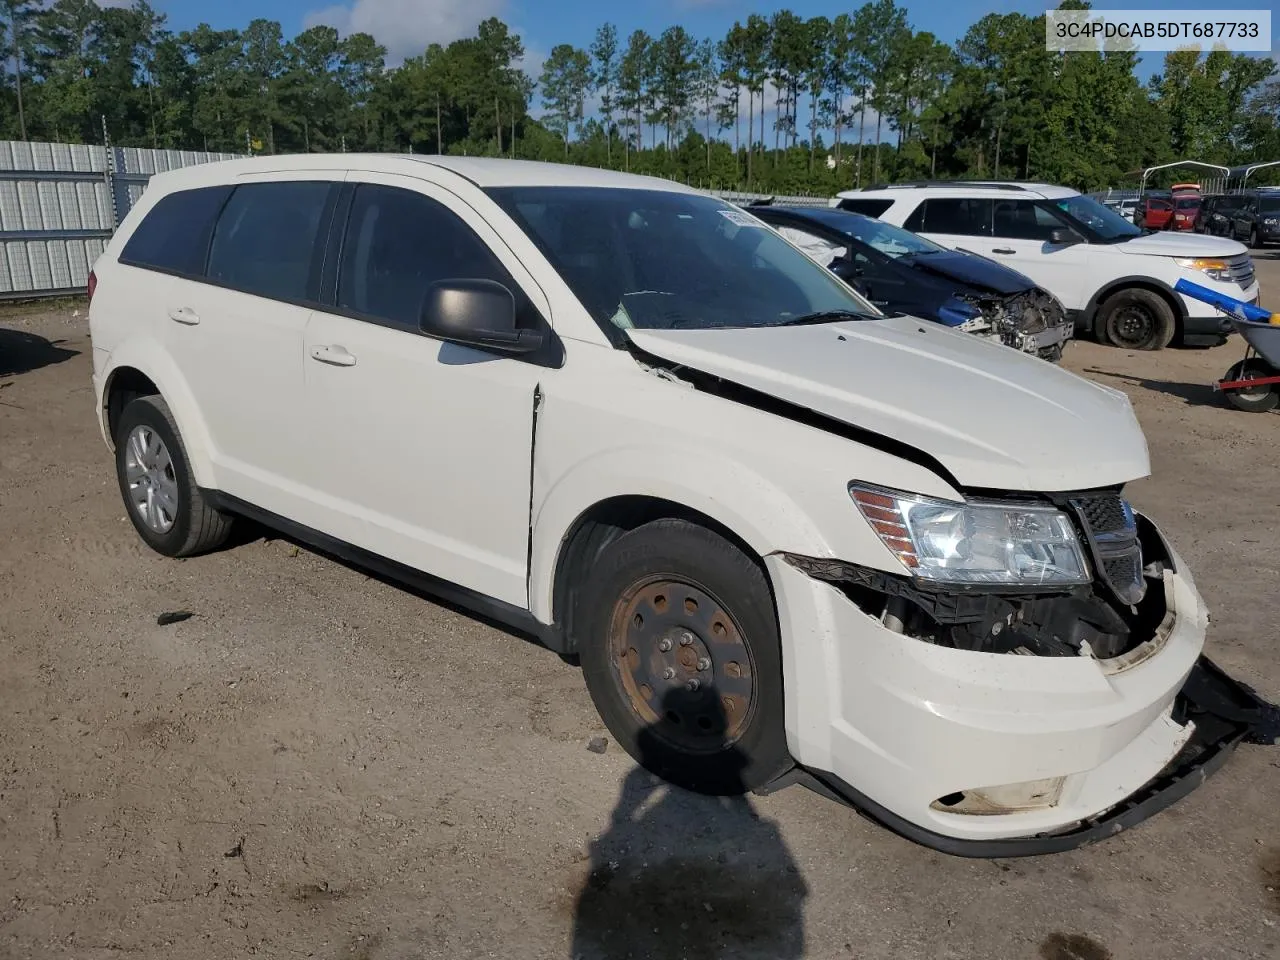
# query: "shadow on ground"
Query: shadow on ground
22,352
687,876
1193,394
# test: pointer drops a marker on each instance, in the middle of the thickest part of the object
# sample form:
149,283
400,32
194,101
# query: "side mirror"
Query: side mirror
1061,236
475,313
845,269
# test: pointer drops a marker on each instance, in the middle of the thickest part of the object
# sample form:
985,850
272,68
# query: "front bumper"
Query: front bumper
1223,712
1199,329
893,724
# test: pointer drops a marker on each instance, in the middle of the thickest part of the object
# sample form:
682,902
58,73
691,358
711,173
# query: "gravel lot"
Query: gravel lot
320,764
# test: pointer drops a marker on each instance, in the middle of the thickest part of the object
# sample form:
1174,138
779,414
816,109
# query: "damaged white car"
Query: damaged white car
628,418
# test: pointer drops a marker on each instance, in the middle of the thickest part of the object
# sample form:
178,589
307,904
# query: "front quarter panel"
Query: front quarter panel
607,428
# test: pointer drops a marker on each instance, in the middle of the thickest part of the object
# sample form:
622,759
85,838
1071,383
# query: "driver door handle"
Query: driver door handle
1002,250
333,354
184,315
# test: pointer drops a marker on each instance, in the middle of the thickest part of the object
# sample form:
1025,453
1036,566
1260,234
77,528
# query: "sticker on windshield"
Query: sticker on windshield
740,218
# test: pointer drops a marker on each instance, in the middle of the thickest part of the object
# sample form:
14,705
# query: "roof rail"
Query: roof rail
991,184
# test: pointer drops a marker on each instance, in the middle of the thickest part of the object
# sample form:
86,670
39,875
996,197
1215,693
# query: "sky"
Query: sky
405,27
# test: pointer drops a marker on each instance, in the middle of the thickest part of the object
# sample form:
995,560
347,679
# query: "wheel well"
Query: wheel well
126,384
599,526
1120,286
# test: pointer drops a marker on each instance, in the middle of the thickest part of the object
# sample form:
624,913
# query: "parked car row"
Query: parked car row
1253,217
1114,279
790,537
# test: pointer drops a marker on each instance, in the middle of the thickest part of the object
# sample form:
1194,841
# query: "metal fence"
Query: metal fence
60,203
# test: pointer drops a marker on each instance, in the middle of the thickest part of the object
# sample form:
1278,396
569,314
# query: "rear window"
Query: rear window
174,235
867,207
265,240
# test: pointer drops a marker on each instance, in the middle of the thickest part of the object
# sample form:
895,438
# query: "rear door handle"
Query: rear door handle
1005,250
184,315
333,354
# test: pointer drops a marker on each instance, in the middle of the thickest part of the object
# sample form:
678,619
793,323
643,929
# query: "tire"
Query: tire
1259,399
1136,319
674,584
177,520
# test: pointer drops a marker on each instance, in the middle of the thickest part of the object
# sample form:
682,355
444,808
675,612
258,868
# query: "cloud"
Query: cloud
406,27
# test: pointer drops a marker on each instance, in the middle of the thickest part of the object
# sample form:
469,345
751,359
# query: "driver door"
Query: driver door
421,448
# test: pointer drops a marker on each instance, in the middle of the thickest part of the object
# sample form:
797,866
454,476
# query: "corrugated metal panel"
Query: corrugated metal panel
80,202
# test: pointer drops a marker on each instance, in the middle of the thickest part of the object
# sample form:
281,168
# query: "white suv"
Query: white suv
1114,279
634,421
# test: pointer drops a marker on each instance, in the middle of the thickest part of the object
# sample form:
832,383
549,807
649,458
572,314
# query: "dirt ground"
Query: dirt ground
319,764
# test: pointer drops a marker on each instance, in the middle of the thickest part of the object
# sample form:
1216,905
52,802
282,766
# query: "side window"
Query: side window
1024,220
398,243
958,215
174,235
867,207
265,240
1161,205
915,222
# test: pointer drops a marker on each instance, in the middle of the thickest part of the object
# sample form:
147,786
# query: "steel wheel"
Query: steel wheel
1252,399
1132,325
682,664
153,486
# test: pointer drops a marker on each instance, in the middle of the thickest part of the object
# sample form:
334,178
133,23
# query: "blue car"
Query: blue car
901,272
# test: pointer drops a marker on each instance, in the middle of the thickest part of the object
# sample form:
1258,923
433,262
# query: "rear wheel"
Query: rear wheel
1252,399
160,494
1136,319
681,654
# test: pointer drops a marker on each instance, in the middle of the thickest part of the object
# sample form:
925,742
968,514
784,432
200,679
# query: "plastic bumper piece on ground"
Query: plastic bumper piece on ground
1224,712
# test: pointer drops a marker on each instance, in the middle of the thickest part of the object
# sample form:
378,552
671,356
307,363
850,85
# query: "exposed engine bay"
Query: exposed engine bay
1033,321
1123,608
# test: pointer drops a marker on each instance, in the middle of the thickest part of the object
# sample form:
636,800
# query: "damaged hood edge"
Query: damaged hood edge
993,417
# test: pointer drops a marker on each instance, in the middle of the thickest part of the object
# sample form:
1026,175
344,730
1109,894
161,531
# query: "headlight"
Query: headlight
1270,221
974,542
1216,269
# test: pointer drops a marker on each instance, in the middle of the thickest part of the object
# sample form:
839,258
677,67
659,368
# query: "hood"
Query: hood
972,271
1168,244
993,416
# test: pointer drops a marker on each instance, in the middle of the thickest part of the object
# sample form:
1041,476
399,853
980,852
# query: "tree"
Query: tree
565,80
604,78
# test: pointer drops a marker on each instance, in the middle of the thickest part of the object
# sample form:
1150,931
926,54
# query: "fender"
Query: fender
151,359
751,506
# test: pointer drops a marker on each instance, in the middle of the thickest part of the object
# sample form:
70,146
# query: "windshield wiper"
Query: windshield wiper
825,316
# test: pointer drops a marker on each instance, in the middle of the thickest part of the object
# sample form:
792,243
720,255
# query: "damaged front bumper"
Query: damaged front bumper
1223,713
990,754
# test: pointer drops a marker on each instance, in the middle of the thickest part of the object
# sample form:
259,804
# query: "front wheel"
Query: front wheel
1252,399
680,650
1136,319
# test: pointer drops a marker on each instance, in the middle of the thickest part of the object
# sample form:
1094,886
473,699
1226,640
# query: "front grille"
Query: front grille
1112,535
1240,269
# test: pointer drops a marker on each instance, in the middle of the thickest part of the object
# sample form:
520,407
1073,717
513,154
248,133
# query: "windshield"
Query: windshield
1269,204
1106,224
888,239
1187,203
657,259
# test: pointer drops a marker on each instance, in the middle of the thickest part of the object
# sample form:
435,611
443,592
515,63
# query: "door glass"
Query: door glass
398,243
957,215
1024,220
265,241
174,235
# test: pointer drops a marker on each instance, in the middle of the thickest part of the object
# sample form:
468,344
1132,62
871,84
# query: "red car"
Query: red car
1153,212
1185,208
